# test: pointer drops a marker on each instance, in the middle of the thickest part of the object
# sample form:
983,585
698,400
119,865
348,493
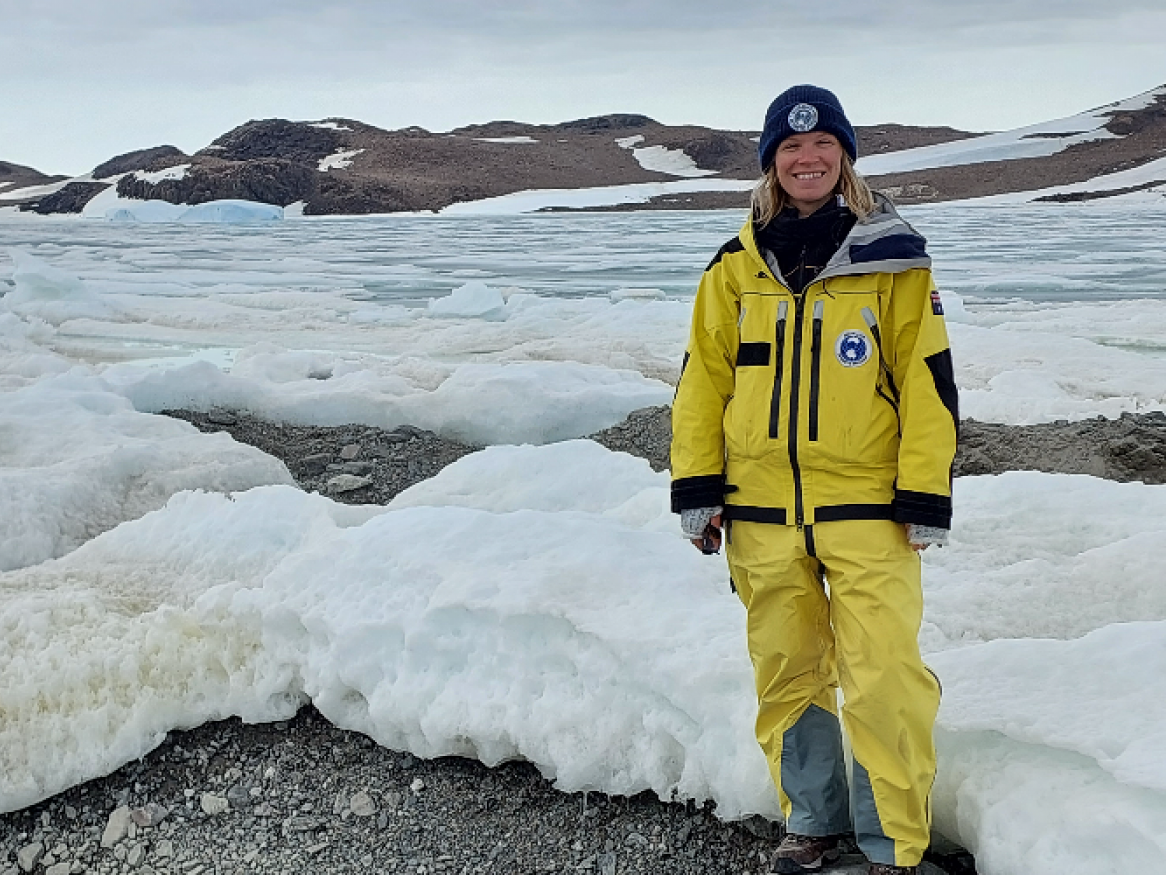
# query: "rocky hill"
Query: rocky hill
346,167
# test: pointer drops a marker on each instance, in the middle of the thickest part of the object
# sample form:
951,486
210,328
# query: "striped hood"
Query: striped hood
884,243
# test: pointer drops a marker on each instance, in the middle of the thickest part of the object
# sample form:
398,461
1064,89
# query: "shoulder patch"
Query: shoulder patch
936,303
734,245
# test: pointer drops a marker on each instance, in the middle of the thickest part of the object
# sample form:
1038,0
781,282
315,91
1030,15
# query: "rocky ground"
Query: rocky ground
305,796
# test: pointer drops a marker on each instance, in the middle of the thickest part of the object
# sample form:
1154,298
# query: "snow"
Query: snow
178,171
33,191
535,599
338,160
1144,174
1034,141
521,139
331,126
532,200
473,299
661,159
6,184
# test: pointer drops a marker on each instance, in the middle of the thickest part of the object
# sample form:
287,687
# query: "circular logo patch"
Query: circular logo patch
803,117
852,348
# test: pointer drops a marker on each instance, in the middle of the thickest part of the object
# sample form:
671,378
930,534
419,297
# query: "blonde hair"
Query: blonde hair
769,198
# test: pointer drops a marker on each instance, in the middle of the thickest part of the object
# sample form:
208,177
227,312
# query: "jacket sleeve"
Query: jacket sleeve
706,383
928,402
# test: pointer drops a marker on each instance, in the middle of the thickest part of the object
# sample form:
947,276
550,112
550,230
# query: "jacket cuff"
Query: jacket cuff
922,508
690,492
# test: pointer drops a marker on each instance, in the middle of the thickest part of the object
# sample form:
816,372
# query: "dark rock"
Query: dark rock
315,464
155,158
70,199
605,123
269,181
276,138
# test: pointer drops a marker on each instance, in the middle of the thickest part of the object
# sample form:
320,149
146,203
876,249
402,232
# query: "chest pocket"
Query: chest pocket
760,355
852,414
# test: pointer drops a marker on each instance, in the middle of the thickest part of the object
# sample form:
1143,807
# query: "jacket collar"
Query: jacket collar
884,243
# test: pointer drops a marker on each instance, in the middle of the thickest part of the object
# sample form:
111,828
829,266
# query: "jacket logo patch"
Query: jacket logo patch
852,348
936,304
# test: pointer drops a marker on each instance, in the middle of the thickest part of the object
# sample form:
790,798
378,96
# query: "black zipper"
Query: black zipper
815,367
873,324
779,345
794,389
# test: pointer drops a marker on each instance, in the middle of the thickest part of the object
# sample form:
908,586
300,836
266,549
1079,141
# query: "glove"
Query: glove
695,520
925,536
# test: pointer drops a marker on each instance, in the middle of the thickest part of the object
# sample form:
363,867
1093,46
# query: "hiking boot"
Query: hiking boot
884,869
798,853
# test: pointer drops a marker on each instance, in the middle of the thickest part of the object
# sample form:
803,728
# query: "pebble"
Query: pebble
349,452
347,483
362,805
117,827
212,804
29,856
150,814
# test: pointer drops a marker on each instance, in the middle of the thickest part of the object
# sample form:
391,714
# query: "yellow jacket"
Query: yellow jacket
838,403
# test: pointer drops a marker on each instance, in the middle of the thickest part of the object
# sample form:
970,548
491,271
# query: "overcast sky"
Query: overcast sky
83,80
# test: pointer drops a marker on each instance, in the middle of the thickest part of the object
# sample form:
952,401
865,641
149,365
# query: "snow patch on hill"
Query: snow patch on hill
1034,141
661,159
338,160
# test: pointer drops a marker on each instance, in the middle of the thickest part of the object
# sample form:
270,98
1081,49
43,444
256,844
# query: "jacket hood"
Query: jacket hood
884,243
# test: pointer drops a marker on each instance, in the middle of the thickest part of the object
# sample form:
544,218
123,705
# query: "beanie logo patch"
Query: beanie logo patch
803,117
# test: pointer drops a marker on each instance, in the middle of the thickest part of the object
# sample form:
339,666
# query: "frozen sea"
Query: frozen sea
153,577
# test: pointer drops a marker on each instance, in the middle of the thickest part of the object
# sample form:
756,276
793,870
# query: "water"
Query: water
1047,253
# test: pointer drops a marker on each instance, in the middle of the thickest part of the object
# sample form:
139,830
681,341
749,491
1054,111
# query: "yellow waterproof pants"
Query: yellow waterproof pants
862,634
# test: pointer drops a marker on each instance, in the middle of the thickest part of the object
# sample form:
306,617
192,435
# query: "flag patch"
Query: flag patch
936,304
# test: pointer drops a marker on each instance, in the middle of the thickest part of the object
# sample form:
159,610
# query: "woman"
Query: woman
816,418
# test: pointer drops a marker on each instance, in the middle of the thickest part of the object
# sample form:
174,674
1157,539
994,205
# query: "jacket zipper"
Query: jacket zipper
779,346
815,367
873,324
794,389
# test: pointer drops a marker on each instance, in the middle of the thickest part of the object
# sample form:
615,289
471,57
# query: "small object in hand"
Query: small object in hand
710,541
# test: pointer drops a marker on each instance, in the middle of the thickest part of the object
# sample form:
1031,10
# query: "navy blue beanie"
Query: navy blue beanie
798,110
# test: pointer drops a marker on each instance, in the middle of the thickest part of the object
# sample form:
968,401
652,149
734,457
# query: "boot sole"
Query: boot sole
786,866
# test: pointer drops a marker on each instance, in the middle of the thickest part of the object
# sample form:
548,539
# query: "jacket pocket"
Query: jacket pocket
816,366
778,369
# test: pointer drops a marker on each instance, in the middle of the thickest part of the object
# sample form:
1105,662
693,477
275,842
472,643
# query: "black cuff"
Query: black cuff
690,492
922,508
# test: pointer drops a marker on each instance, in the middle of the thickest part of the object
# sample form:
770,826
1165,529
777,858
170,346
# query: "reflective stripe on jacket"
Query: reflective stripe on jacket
835,404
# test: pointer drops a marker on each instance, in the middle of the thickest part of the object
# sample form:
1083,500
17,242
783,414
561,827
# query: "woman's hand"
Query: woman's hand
922,537
702,526
710,540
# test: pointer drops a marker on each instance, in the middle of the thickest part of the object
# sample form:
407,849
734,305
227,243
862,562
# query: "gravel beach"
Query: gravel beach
305,796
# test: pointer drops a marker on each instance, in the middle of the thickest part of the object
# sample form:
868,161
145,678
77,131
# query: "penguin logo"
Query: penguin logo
852,349
803,117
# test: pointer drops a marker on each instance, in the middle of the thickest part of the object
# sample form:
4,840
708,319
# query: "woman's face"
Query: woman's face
808,166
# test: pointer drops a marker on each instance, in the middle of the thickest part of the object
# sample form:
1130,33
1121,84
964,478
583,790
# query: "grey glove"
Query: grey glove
926,536
695,520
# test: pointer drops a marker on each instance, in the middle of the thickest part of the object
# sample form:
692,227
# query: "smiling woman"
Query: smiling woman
816,419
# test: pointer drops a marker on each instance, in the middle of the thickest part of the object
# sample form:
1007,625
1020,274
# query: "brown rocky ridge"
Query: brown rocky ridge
346,167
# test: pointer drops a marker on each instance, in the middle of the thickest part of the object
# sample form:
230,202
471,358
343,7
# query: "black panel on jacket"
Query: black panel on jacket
891,247
943,373
734,245
753,354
